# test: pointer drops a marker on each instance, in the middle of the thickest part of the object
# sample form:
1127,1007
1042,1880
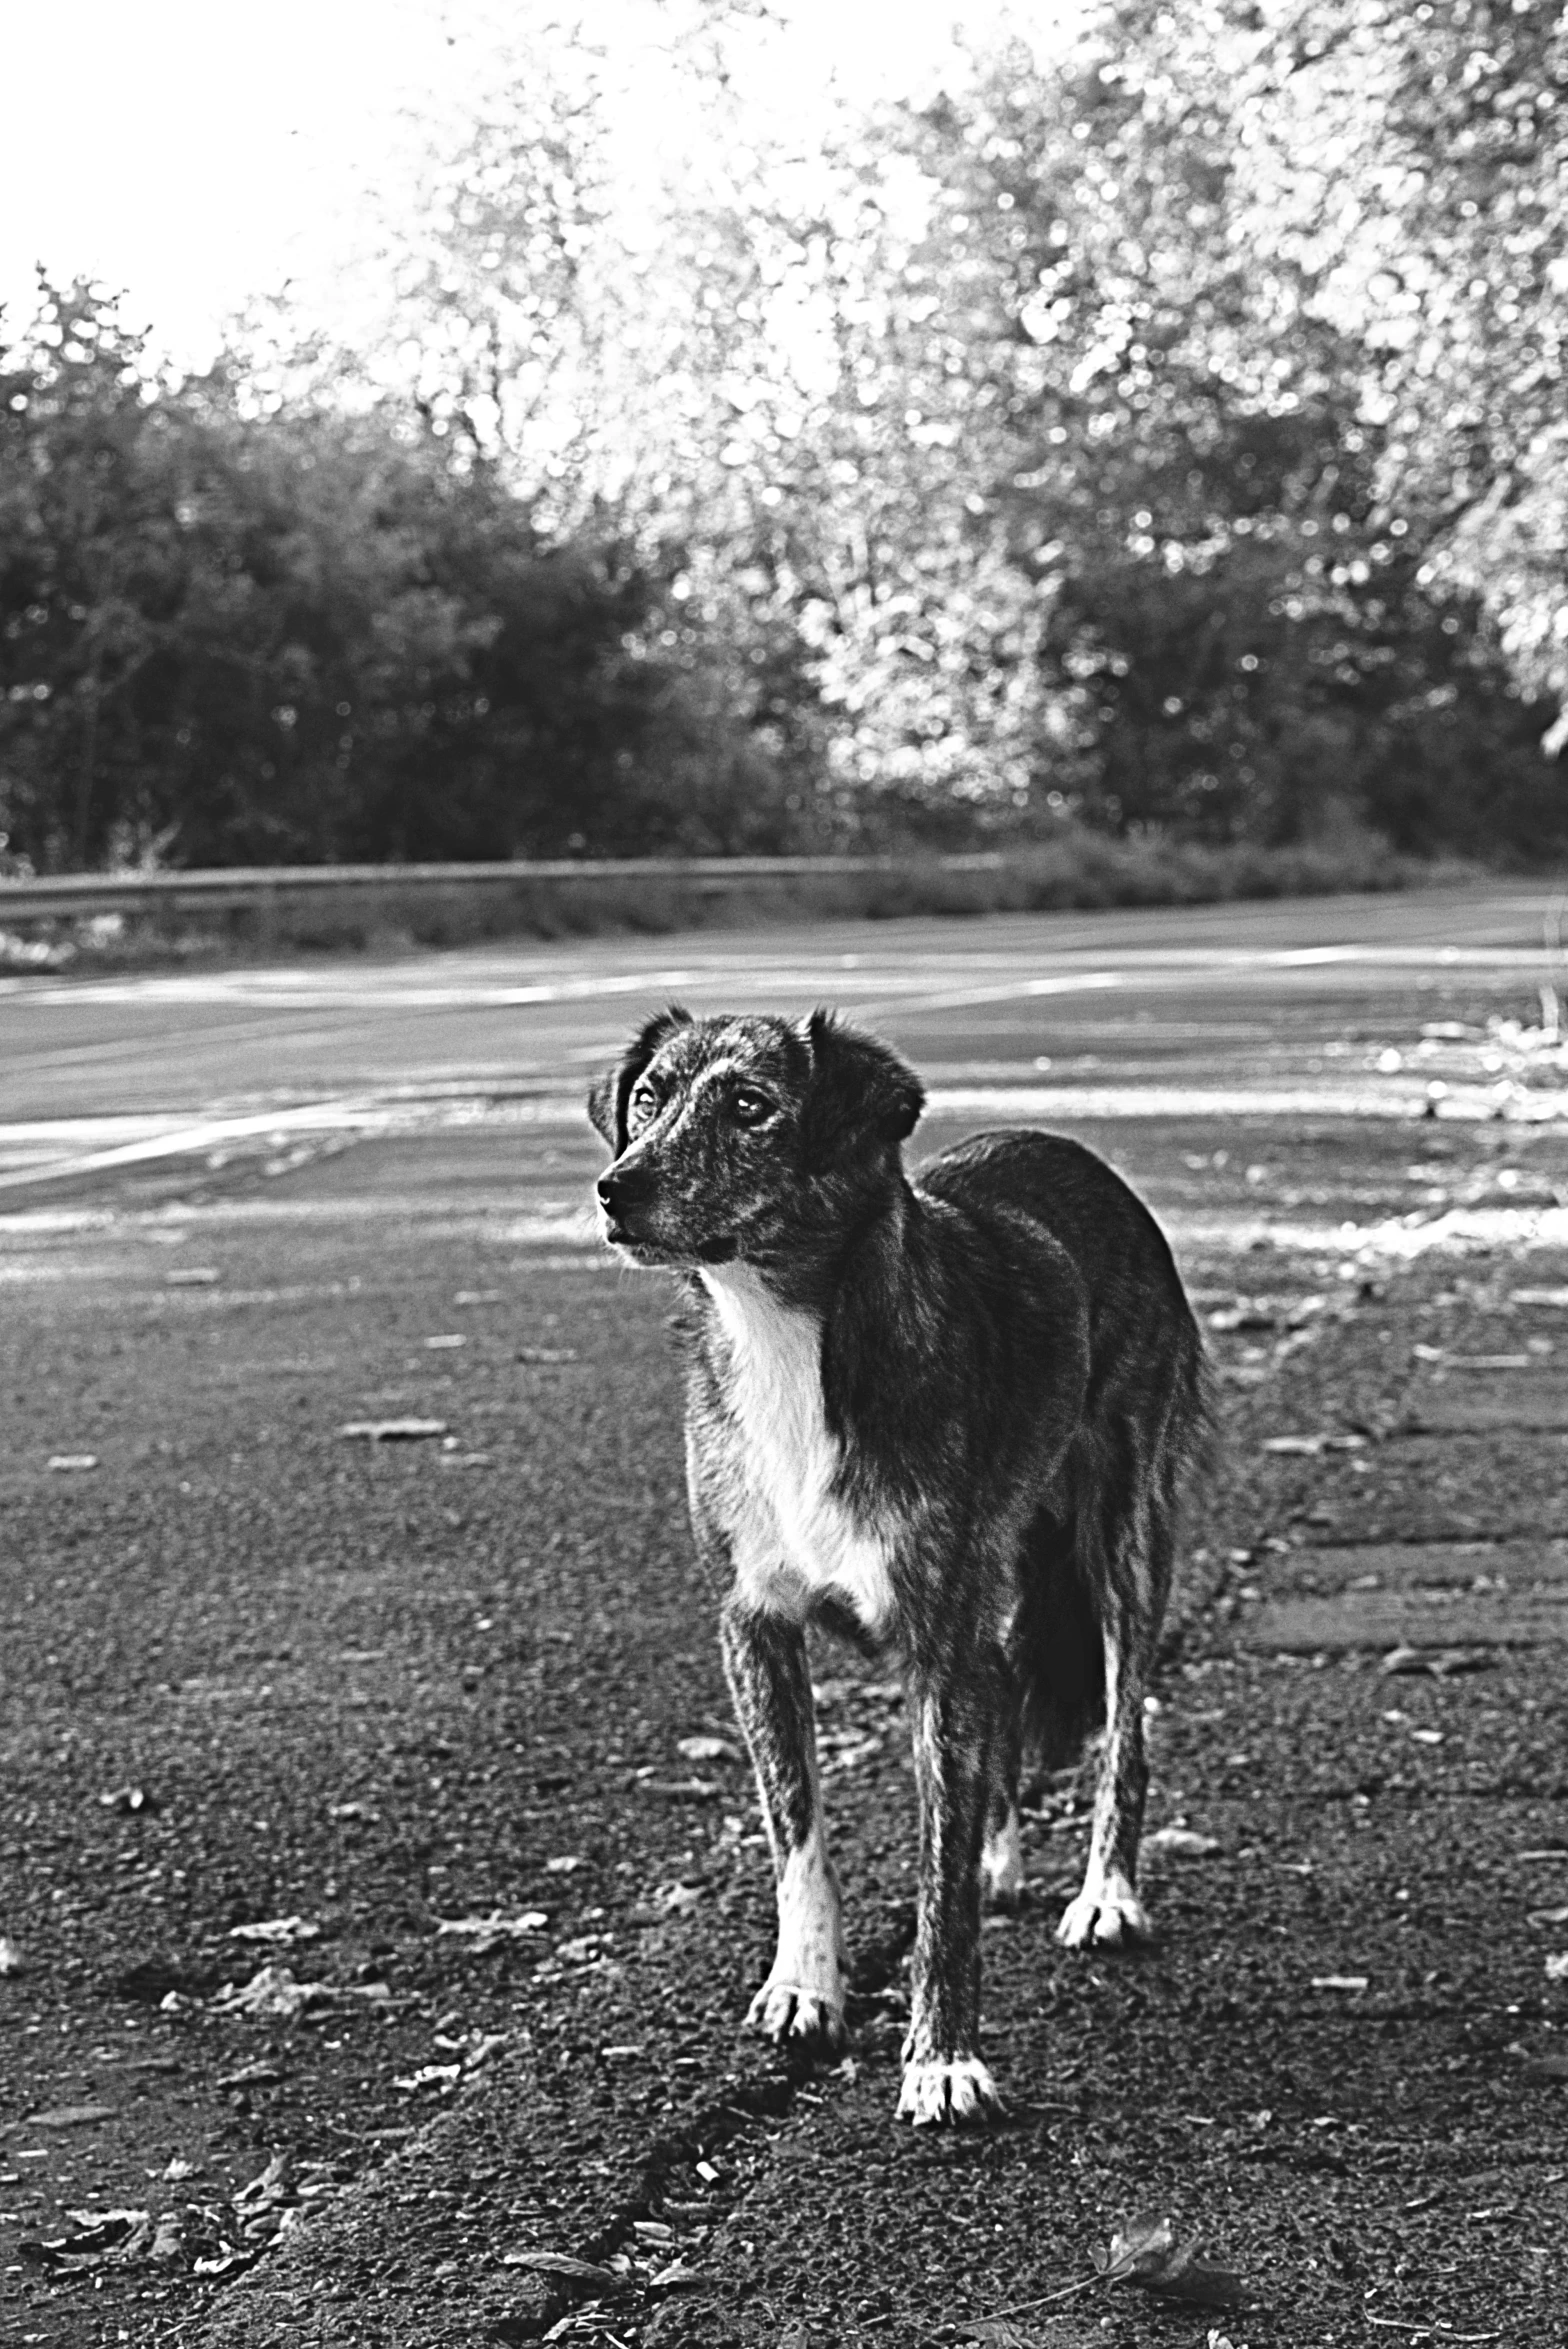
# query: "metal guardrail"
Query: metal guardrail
64,894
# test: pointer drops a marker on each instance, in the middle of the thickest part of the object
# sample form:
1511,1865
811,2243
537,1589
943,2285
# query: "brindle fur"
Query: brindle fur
954,1413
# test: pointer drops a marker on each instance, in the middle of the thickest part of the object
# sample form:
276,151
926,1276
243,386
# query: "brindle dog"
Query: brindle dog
952,1413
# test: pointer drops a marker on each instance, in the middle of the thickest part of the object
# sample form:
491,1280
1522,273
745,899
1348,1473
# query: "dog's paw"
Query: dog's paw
1108,1913
788,2011
956,2091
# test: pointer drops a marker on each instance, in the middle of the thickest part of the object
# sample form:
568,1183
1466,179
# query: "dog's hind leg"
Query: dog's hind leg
1133,1599
955,1724
765,1661
1001,1858
1108,1907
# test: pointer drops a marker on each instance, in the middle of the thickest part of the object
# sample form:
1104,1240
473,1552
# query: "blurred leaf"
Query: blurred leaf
1146,2252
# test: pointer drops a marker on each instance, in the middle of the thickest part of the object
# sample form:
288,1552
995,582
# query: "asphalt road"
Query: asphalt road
258,1670
1202,992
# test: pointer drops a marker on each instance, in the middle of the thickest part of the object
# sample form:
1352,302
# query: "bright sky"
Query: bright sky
196,155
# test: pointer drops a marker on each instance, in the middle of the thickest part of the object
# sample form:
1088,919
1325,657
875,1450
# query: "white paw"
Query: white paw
789,2010
1002,1865
958,2092
1107,1911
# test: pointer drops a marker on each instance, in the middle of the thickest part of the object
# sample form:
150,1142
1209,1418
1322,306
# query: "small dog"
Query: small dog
951,1415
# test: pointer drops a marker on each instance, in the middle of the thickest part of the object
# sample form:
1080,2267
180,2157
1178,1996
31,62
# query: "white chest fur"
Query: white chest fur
795,1539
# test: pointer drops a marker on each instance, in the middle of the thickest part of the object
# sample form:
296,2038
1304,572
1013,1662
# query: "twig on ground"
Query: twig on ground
1402,2324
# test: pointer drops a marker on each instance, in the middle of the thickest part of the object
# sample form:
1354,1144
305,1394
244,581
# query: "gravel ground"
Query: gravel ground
258,1671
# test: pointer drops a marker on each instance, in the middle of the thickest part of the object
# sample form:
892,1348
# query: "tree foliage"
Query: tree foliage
312,635
1165,431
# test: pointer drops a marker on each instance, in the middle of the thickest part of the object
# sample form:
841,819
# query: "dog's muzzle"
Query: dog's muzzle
621,1191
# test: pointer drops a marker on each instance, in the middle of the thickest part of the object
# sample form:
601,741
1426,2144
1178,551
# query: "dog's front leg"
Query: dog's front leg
954,1724
765,1660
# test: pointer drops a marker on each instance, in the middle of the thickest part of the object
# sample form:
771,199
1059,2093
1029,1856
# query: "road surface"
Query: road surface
367,1896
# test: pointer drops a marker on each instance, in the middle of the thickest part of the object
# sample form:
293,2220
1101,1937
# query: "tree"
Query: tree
232,635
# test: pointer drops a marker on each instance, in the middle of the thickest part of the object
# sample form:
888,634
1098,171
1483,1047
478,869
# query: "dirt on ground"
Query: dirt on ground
384,1888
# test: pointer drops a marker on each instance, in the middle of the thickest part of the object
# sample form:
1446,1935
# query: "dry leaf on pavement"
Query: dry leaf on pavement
1181,1843
394,1431
276,1929
1145,2252
273,1992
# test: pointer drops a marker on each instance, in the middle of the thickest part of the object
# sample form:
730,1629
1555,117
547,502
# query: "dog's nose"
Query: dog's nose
622,1187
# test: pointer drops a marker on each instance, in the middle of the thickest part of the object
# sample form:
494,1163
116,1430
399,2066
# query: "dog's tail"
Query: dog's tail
1058,1648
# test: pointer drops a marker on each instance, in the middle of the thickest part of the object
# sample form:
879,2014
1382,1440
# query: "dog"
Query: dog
953,1415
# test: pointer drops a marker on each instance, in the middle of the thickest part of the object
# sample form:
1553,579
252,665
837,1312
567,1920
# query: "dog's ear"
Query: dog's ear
609,1094
861,1097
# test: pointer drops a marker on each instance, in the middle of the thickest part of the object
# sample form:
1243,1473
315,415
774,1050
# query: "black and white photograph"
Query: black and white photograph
784,1174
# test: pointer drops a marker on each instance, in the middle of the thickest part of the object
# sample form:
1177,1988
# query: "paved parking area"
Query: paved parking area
260,1671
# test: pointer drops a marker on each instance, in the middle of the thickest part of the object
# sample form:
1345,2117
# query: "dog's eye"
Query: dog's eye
643,1105
751,1109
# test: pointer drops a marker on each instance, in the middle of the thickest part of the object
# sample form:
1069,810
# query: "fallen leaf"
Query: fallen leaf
273,1992
269,2186
280,1929
1309,1446
1182,1843
1557,1967
706,1749
1547,1917
11,1960
129,1801
72,1463
393,1431
1340,1981
429,2076
1145,2252
997,2332
676,1899
567,1864
192,1276
675,2278
98,2233
547,1354
258,2075
70,2116
567,2269
581,1948
486,1933
1440,1663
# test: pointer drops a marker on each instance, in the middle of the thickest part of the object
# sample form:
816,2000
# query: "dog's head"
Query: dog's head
747,1137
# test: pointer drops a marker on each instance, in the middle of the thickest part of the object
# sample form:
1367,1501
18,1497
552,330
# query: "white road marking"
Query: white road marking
174,1138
